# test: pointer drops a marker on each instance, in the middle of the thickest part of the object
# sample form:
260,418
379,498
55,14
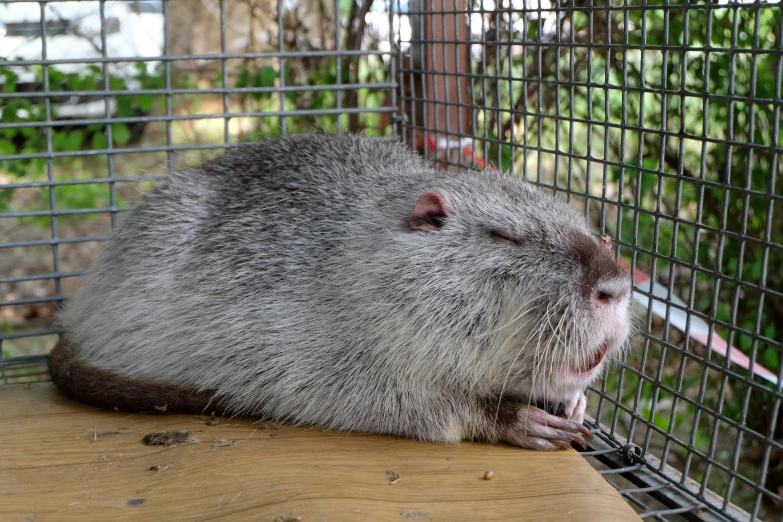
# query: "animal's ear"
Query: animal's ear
606,241
429,213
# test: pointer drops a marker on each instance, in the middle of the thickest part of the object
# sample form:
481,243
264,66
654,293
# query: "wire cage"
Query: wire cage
659,119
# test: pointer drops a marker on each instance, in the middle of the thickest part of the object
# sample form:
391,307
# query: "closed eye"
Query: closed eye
505,237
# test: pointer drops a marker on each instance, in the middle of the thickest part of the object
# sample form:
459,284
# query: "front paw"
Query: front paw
534,428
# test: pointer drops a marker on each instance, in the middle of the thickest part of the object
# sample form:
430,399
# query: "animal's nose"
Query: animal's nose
611,292
605,297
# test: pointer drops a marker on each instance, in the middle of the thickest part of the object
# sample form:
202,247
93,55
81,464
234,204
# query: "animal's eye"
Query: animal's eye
505,237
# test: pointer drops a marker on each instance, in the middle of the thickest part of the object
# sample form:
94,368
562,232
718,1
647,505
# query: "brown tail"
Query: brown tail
112,391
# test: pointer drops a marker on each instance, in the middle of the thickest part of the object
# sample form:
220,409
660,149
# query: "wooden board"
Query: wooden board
60,460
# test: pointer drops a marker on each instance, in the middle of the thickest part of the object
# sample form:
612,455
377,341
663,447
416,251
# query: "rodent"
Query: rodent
340,282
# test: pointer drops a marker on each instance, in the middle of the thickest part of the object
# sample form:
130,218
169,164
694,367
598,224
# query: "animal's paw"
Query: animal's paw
536,429
574,408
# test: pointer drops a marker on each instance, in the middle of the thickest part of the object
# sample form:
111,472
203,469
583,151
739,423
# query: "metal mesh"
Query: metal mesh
99,99
660,119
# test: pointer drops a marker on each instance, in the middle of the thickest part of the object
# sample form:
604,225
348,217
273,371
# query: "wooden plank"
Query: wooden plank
60,460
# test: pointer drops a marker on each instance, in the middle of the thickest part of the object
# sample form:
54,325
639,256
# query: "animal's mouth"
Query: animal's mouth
595,359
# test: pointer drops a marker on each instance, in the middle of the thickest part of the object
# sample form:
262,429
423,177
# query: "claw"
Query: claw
579,440
541,430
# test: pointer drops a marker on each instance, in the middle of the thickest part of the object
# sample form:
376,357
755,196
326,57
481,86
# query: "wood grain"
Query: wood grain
60,460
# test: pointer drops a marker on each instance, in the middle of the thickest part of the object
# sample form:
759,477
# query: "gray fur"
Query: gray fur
285,276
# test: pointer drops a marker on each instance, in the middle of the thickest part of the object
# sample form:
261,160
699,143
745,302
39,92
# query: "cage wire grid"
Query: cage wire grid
660,119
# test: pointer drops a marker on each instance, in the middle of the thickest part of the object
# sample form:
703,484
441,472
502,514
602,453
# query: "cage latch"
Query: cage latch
631,453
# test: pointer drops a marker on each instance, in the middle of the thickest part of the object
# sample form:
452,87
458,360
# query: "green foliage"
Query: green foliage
314,92
35,138
263,78
696,173
681,158
256,80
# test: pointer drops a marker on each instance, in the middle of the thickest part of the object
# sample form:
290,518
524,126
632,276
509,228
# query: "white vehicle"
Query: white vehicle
133,29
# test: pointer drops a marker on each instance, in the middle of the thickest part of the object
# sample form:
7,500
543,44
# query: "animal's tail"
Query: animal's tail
112,391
